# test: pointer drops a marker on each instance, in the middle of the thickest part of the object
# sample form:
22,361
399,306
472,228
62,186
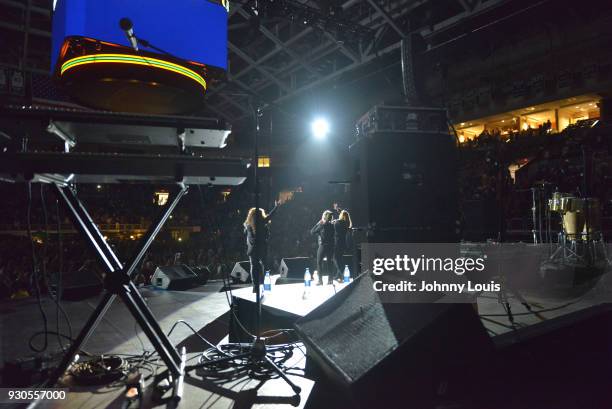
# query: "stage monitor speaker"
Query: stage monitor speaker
390,355
403,187
241,271
202,272
78,285
174,278
295,267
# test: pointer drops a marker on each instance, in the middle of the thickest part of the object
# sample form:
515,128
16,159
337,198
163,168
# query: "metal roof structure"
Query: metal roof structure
278,49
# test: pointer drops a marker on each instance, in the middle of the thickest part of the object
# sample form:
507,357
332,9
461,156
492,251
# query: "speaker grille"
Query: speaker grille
354,331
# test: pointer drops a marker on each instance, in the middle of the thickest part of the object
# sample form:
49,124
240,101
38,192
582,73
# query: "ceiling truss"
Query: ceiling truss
273,59
297,58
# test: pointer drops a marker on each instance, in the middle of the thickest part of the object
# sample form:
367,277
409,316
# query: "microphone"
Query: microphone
126,25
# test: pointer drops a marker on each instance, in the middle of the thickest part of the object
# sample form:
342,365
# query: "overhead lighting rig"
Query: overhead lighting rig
331,20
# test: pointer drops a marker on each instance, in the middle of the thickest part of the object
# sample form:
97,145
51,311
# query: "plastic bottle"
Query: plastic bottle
346,275
307,280
267,282
315,278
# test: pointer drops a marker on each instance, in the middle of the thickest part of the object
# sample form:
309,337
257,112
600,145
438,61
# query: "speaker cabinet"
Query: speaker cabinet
404,188
391,355
77,285
295,267
241,271
174,278
202,272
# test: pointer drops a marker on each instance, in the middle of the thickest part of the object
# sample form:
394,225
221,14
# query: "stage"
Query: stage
207,310
203,307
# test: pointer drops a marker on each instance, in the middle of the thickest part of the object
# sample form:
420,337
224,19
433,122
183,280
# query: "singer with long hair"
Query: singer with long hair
342,226
324,229
251,224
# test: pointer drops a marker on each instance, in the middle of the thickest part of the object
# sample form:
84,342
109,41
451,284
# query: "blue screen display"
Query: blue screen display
194,30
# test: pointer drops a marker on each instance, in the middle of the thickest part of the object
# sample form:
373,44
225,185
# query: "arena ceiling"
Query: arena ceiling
276,56
278,49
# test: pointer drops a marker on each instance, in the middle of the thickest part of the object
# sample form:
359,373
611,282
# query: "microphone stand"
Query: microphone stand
258,353
126,25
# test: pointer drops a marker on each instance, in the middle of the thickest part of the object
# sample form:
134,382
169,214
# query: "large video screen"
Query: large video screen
194,30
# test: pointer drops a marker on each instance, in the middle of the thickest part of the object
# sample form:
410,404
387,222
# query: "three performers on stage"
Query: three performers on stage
333,237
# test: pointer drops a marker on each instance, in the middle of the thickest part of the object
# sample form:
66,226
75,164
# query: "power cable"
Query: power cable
35,277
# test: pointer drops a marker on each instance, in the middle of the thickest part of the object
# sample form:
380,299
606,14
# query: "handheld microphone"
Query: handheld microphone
126,25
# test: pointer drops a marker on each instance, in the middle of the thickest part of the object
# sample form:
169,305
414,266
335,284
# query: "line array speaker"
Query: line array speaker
404,187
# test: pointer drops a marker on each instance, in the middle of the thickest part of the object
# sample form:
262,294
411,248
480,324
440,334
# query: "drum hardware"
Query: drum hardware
534,216
580,239
540,213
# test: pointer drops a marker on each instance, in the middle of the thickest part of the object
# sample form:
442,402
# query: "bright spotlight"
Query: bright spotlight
320,128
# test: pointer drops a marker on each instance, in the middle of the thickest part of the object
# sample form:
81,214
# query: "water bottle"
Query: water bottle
307,278
315,277
347,274
267,282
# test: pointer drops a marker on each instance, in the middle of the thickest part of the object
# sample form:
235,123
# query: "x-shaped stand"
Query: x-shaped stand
118,282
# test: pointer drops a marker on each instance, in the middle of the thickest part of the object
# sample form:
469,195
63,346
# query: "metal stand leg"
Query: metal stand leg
282,374
118,283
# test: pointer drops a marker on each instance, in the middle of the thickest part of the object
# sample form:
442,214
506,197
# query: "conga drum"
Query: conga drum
573,223
580,216
592,215
570,204
554,204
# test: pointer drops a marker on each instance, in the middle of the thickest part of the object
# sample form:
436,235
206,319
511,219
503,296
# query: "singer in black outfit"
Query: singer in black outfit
258,261
342,227
324,229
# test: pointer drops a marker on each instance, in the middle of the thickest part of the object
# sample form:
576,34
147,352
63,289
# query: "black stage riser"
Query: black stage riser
559,363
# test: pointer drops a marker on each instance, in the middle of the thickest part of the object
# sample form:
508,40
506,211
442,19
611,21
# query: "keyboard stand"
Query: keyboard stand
118,282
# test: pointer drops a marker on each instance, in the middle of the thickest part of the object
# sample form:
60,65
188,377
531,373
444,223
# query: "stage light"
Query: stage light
320,128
